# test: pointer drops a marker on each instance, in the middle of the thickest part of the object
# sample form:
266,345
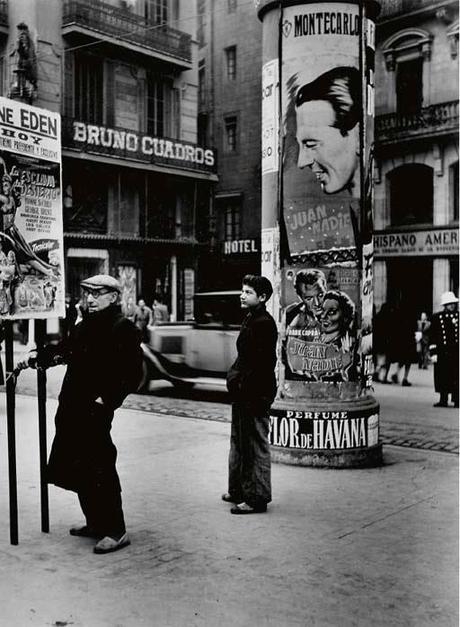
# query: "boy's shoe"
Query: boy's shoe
406,383
109,545
394,378
83,531
244,508
228,498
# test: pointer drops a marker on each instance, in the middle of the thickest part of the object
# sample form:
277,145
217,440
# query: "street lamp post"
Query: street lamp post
317,154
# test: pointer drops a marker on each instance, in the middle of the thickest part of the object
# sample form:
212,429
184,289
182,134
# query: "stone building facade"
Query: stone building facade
416,152
230,45
416,175
136,184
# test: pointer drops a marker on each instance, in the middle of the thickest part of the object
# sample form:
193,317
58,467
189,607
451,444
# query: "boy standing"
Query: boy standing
252,385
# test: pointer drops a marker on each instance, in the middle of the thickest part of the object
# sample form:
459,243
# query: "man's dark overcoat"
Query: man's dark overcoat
104,359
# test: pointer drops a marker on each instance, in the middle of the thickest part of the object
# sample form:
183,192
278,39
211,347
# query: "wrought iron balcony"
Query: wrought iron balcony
121,27
435,120
395,8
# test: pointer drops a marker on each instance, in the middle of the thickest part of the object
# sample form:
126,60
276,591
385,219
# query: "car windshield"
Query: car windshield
218,308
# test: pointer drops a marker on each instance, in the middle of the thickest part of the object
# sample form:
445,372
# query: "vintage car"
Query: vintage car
199,351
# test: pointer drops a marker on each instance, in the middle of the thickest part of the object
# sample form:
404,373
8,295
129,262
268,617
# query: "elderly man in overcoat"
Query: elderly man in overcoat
104,362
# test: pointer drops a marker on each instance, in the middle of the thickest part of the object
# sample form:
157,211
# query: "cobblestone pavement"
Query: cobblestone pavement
408,417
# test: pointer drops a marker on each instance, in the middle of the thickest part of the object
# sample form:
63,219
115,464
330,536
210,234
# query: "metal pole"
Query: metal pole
40,329
10,413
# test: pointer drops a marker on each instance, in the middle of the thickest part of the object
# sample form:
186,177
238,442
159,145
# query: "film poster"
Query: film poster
321,106
320,322
321,98
31,231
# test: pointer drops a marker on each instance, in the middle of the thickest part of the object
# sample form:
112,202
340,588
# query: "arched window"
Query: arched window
406,53
411,195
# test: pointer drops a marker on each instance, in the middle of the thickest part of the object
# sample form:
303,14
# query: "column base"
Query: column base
329,434
357,458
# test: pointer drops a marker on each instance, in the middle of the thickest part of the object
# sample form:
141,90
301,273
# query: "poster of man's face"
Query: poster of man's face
331,152
321,111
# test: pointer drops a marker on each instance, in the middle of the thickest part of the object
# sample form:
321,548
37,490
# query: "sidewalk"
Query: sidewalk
338,548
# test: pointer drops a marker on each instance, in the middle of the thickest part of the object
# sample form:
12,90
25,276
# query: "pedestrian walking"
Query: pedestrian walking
104,364
252,385
403,346
444,350
143,318
386,325
160,310
423,341
381,342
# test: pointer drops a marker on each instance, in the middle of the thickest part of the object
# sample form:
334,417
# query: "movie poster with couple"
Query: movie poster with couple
31,230
320,324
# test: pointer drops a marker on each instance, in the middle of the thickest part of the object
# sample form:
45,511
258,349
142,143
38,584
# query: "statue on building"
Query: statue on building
24,83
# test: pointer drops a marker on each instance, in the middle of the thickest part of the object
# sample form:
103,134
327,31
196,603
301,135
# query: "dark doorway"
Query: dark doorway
409,86
411,194
410,285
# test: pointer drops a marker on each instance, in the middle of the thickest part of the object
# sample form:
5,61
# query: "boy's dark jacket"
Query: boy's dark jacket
251,379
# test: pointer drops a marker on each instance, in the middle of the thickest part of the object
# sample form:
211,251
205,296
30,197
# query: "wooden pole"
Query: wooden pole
40,336
11,430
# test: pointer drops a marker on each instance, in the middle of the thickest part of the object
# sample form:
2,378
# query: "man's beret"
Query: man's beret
101,281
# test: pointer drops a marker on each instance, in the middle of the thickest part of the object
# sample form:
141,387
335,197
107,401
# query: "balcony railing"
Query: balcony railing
128,27
437,119
123,143
394,8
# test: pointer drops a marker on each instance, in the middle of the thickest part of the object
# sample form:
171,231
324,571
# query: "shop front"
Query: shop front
136,207
413,267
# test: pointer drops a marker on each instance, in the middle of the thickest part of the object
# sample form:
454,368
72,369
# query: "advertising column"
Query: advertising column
317,147
31,232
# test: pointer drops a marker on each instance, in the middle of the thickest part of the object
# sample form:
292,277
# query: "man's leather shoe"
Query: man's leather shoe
440,405
83,531
244,508
109,545
228,498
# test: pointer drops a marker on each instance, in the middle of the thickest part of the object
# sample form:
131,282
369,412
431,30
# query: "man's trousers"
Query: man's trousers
249,477
101,505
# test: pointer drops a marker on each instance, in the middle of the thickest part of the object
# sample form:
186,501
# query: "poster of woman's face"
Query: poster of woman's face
321,109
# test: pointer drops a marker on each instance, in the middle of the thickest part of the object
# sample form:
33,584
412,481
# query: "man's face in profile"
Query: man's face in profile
312,296
332,157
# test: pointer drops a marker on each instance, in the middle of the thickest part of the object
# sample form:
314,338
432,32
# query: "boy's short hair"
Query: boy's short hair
260,284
